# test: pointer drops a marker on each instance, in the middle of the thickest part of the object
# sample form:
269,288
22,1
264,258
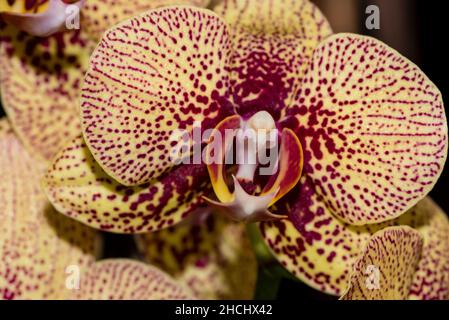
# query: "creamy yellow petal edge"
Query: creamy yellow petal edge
78,187
150,77
272,42
211,255
373,129
321,250
40,18
115,11
431,280
387,265
37,245
122,279
41,78
281,17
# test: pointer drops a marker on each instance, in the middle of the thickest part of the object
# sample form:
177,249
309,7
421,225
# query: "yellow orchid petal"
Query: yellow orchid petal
321,250
78,187
373,129
385,269
272,41
40,83
150,76
212,256
37,245
41,77
122,279
115,11
39,18
23,6
317,248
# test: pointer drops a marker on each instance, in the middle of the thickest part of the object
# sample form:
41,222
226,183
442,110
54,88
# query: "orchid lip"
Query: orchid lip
254,137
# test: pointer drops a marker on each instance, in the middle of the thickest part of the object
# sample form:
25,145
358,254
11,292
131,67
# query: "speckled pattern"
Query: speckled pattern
99,15
36,243
373,127
395,251
149,76
371,124
272,41
322,250
213,256
122,279
79,188
40,83
23,6
431,280
41,77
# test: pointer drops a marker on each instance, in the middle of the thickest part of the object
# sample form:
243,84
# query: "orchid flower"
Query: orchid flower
39,248
41,77
362,135
40,83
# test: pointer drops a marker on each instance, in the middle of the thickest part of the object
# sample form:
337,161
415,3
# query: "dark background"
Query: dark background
416,28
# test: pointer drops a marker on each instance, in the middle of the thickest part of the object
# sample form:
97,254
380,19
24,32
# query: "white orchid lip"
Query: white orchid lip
258,134
253,137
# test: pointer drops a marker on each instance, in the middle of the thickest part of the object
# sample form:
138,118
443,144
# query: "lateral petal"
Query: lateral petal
373,129
78,187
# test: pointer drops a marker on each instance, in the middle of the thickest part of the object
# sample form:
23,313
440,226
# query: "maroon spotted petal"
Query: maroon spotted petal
149,77
211,255
272,41
78,187
123,279
37,245
373,129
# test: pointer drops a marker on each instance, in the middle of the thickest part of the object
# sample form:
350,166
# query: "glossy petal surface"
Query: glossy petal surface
150,76
115,11
212,255
40,83
78,187
373,129
395,253
121,279
36,243
272,41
